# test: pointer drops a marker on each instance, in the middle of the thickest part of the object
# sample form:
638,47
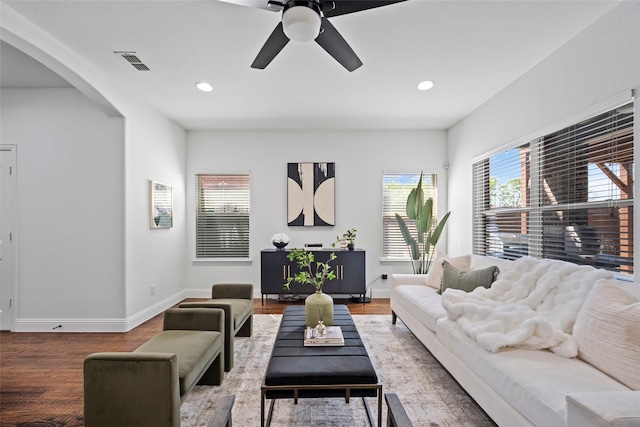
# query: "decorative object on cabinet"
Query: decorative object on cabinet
280,240
160,205
311,194
348,236
427,233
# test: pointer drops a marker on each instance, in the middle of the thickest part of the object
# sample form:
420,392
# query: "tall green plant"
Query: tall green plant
427,236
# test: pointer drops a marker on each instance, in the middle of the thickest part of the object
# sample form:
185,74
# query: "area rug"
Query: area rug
429,394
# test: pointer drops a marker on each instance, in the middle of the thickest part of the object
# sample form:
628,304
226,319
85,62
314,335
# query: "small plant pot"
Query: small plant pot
350,246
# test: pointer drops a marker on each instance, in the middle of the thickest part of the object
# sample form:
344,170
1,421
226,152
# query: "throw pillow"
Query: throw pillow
457,278
607,333
434,275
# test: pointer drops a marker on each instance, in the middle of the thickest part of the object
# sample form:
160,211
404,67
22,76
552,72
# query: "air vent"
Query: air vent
132,58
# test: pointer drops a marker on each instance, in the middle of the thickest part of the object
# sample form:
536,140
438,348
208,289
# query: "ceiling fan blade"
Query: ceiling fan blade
272,47
336,46
258,4
342,7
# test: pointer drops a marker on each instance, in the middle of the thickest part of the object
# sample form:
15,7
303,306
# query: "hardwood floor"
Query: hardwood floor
41,373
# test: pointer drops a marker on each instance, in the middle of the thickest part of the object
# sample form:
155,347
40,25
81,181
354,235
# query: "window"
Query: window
567,195
395,190
222,216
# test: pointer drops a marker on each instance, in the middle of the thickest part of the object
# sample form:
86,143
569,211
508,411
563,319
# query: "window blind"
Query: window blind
395,190
566,195
222,216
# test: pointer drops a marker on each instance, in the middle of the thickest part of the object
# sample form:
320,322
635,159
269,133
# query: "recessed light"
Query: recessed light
426,85
204,86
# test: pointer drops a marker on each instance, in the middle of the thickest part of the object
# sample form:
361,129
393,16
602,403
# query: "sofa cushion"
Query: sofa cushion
434,275
458,278
195,350
422,302
534,382
607,332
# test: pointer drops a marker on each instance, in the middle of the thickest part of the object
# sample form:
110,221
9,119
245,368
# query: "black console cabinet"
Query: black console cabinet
349,267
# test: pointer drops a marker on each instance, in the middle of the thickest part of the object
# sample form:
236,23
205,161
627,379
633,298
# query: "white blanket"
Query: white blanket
532,305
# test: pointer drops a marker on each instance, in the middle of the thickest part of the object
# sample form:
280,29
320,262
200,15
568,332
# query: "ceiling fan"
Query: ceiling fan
306,20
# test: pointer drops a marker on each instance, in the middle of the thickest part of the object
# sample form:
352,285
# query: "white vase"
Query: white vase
318,306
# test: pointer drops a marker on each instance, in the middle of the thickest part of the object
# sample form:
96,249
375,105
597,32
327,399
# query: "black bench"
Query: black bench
295,371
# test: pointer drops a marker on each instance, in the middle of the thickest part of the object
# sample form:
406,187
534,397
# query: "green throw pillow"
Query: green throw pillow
456,278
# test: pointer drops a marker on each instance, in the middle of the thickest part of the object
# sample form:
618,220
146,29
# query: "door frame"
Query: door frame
9,319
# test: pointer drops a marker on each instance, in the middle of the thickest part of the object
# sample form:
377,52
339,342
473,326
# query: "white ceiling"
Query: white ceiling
472,49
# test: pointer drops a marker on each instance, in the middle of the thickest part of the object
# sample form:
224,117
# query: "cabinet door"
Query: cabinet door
274,268
351,273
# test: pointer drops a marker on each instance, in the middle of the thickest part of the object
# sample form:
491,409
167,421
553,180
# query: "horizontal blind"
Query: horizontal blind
567,195
502,204
395,191
222,216
587,181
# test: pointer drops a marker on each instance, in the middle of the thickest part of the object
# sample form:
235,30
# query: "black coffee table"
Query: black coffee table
295,371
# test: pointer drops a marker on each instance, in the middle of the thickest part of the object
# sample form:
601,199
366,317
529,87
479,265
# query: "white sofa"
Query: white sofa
516,387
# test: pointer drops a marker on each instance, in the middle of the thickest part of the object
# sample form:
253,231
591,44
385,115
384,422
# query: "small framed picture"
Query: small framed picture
160,205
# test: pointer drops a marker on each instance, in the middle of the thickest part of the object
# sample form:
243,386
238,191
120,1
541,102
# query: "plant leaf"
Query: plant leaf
435,236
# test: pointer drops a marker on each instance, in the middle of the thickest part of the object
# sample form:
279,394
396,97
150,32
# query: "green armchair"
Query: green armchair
236,299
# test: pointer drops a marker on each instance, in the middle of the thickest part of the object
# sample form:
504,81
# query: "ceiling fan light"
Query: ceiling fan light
301,24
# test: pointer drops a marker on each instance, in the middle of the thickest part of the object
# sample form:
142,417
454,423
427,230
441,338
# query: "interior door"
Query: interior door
7,198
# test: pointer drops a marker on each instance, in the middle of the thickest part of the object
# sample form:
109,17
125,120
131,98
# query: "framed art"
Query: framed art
311,194
160,205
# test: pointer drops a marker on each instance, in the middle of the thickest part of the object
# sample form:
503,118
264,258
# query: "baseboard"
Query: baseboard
98,325
149,312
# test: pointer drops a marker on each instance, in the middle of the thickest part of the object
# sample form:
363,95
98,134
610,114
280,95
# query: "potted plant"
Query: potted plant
350,236
318,306
427,233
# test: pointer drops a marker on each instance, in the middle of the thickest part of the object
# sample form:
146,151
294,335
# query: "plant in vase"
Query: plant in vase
427,232
318,306
350,236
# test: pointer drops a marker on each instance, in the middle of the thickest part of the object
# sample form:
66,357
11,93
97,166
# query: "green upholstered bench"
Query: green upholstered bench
144,387
236,299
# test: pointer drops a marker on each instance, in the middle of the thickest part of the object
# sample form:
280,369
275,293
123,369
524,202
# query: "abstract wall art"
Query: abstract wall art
311,194
160,205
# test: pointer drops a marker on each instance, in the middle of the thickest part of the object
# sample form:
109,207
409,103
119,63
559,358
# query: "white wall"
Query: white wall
155,150
600,63
70,210
360,157
127,257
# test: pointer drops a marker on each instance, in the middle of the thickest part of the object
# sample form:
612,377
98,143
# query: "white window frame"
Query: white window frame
226,207
535,207
394,247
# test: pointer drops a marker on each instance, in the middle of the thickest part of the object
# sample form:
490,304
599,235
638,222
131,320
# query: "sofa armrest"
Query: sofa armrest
194,319
113,380
232,291
407,279
605,408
